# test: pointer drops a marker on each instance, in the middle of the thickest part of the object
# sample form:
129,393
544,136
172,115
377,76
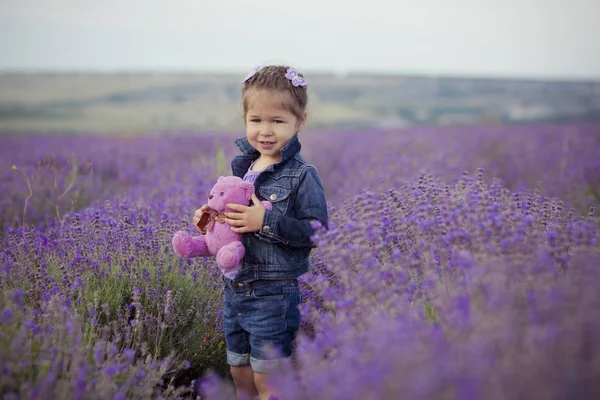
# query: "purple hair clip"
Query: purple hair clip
293,76
251,74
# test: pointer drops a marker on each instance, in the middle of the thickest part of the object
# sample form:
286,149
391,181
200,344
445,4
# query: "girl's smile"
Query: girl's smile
267,145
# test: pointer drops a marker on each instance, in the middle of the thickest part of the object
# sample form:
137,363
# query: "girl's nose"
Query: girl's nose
210,196
266,130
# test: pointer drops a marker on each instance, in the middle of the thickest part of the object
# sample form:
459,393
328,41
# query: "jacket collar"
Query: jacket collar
288,151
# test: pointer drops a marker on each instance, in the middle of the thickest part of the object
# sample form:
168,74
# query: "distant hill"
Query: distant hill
144,102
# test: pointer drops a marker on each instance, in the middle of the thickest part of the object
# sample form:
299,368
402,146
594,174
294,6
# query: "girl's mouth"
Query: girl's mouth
267,145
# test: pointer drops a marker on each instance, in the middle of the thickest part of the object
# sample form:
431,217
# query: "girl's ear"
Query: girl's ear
301,122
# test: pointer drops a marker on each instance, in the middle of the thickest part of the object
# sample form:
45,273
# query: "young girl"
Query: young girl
261,302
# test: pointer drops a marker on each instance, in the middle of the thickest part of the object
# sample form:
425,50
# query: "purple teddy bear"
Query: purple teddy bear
217,238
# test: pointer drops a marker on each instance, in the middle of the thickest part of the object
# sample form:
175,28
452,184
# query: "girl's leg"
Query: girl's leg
260,380
238,346
243,378
272,326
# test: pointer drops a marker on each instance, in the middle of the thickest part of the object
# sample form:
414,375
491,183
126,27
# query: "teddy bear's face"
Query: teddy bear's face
230,189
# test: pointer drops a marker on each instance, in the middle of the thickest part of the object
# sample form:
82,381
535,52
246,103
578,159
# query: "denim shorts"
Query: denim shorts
261,319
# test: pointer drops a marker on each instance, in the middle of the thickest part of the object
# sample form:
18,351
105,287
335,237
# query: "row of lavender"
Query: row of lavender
427,286
67,173
560,160
465,291
94,302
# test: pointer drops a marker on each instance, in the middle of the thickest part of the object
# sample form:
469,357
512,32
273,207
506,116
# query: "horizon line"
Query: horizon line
312,71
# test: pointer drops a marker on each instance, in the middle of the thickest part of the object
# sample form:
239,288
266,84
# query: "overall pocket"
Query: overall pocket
274,291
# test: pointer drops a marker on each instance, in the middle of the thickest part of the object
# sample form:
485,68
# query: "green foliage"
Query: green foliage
430,312
221,163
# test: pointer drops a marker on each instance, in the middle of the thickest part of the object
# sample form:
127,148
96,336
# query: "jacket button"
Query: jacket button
266,228
273,197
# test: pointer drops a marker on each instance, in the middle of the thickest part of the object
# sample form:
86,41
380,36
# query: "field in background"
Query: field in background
461,262
144,102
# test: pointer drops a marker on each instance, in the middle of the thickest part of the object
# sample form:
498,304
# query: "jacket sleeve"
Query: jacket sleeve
310,205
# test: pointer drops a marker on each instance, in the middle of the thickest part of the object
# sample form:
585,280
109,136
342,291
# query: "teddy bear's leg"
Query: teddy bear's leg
189,246
230,255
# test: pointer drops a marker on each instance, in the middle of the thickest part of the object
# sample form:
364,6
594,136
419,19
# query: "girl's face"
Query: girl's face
270,125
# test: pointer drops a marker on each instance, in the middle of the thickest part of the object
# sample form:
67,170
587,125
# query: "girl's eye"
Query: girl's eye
222,193
255,120
278,121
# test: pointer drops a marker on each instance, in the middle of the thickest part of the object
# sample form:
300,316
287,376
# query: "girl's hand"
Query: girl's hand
198,215
246,219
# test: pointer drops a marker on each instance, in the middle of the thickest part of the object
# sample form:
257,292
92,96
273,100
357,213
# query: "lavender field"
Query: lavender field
461,263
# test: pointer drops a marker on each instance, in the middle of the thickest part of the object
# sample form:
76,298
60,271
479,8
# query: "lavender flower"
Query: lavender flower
459,262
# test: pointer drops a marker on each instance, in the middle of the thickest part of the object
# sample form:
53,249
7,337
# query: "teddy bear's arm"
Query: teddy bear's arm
267,204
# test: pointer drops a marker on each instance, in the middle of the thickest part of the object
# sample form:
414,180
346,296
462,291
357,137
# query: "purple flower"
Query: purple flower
120,396
111,370
425,285
129,356
7,316
18,295
98,355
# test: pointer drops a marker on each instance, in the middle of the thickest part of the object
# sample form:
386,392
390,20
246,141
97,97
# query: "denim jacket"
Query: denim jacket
280,250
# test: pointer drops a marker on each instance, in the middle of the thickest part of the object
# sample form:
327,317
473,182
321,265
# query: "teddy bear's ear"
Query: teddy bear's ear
220,178
248,189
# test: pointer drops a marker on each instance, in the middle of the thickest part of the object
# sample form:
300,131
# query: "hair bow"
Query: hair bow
251,74
293,76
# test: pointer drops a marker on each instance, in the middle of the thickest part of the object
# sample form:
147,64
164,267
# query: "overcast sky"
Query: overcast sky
522,38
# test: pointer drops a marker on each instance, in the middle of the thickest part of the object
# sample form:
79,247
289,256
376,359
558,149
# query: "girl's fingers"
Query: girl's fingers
234,215
235,222
237,207
239,230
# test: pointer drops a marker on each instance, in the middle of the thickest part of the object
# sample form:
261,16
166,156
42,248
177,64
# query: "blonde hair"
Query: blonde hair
273,78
